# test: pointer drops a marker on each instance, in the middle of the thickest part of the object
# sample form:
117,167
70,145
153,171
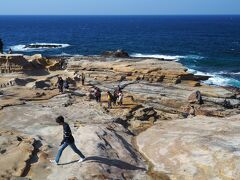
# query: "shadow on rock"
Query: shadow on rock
40,72
68,163
128,147
113,162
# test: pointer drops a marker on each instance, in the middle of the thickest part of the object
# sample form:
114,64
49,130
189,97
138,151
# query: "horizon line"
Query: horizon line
119,14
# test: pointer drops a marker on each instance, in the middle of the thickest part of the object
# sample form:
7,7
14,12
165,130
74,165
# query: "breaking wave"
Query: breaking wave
231,73
66,54
158,56
217,79
166,57
26,48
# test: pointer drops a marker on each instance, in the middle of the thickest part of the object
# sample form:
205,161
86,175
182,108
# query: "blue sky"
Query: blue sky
118,7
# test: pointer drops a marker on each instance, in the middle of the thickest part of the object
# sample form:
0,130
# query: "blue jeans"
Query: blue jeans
74,148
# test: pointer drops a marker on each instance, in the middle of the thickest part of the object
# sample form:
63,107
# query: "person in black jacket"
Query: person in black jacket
68,140
1,46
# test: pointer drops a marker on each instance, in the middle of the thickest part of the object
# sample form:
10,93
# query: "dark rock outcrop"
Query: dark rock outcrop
37,46
116,54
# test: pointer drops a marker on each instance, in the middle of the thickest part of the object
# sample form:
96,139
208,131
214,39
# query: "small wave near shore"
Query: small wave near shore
167,57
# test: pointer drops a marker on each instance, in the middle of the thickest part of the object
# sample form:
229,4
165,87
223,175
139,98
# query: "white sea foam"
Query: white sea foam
231,73
235,73
216,79
193,71
159,56
167,57
222,81
21,47
66,54
196,57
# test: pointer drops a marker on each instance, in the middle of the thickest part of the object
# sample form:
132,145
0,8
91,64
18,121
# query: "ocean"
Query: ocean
207,45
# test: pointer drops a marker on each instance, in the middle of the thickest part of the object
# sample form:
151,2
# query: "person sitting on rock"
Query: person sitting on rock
110,99
60,84
1,46
68,140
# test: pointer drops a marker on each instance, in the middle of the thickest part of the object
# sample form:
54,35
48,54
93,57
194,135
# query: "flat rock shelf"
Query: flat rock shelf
160,132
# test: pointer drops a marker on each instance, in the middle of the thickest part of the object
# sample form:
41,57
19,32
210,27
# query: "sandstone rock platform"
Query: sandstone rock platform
151,136
195,148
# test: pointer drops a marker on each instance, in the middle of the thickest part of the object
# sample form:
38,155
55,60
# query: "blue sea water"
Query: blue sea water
205,44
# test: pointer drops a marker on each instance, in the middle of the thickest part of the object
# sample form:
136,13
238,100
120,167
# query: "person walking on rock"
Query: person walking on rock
119,89
83,79
115,97
98,94
1,46
120,98
60,84
116,94
110,99
68,140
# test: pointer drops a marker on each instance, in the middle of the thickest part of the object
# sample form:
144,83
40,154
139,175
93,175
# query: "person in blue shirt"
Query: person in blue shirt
68,140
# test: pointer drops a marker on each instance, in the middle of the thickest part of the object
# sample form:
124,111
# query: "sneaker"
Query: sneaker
54,162
81,160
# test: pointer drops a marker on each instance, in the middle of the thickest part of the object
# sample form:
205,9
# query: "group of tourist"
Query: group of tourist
115,98
61,84
79,77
